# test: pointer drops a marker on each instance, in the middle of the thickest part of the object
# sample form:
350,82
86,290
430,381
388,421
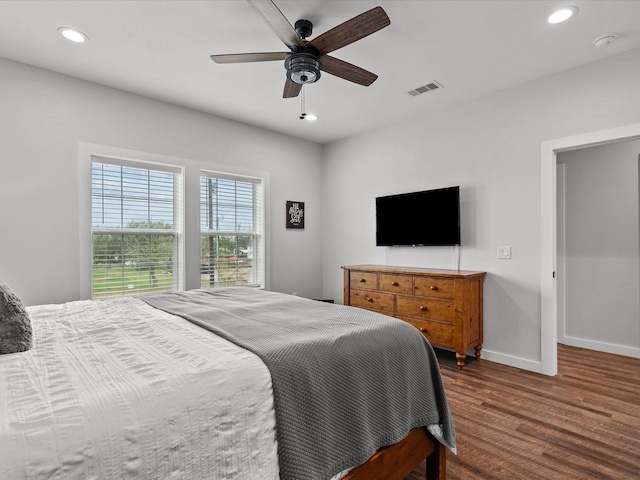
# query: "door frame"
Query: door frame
548,232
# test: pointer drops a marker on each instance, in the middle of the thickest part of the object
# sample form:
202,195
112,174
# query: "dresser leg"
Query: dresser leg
477,348
461,358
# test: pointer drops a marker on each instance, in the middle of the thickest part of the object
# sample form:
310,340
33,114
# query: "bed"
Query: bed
175,386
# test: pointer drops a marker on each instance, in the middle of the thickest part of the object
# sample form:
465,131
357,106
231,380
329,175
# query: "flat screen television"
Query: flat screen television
427,218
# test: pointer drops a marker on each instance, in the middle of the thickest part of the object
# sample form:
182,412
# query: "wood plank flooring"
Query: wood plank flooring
513,424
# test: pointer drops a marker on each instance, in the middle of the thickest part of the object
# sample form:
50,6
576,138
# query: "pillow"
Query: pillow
15,324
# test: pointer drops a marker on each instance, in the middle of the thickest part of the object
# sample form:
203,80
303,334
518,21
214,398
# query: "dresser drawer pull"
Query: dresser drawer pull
394,284
366,297
434,288
423,330
362,280
423,308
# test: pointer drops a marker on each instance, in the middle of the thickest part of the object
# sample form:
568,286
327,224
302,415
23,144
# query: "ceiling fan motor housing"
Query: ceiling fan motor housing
303,67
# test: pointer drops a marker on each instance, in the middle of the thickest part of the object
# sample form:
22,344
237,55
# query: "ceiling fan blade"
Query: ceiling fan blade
291,89
347,71
277,21
348,32
250,57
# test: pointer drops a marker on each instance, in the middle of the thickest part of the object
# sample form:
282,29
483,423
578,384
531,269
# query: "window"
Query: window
136,223
231,230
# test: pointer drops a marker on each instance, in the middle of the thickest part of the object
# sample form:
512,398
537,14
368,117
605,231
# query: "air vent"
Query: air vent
425,88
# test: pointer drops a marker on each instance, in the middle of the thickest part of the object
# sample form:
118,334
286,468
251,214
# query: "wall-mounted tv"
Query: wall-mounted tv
427,218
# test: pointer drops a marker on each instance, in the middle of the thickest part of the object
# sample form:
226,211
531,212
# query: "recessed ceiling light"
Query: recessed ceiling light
73,35
562,14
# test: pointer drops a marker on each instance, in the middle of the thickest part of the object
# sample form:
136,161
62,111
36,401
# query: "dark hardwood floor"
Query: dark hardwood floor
513,424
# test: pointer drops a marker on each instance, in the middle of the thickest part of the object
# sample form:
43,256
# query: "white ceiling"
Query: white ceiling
161,49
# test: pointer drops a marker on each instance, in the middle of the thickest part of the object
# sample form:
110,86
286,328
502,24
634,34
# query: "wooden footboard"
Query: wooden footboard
397,461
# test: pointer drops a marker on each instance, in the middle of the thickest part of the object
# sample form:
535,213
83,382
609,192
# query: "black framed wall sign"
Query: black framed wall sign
295,214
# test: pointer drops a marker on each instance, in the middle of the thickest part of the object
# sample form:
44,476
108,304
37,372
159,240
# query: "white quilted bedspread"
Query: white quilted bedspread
117,389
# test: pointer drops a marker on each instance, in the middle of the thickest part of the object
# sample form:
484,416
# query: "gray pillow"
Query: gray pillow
15,324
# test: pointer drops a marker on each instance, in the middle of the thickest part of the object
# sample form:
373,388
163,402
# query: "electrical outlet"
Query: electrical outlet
504,252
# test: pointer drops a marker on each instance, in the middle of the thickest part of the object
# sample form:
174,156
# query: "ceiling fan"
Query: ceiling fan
306,59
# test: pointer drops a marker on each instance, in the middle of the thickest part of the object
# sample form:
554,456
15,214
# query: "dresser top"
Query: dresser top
415,271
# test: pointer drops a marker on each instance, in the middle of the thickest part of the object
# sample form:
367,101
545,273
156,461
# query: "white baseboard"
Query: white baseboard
535,366
601,346
511,361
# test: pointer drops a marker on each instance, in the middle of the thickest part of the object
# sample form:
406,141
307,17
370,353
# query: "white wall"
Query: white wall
491,148
601,274
46,116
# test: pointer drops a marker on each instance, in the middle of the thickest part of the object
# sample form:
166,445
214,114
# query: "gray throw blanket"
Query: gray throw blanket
346,381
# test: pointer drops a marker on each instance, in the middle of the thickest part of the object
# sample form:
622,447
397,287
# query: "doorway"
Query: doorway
548,232
598,270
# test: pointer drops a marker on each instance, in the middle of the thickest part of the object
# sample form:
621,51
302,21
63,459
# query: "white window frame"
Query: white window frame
88,151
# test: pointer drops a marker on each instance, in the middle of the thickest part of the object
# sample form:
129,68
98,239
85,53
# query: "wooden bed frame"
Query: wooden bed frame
396,461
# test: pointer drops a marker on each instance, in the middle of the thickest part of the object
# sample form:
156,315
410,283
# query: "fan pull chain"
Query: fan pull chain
302,107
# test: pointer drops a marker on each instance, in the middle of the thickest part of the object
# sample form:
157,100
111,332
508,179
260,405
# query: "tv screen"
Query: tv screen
430,217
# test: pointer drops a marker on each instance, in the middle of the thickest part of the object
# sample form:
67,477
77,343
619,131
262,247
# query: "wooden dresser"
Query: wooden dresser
445,305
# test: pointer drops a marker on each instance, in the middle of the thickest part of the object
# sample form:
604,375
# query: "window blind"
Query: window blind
231,223
136,218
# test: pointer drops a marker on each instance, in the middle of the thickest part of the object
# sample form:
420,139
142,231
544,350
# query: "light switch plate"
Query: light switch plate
504,252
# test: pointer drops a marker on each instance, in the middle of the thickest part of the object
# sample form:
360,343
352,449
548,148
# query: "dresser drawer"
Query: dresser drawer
434,287
396,284
364,280
372,300
420,307
438,334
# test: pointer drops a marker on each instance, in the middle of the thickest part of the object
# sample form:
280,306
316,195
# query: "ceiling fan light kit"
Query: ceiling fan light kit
307,59
303,67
